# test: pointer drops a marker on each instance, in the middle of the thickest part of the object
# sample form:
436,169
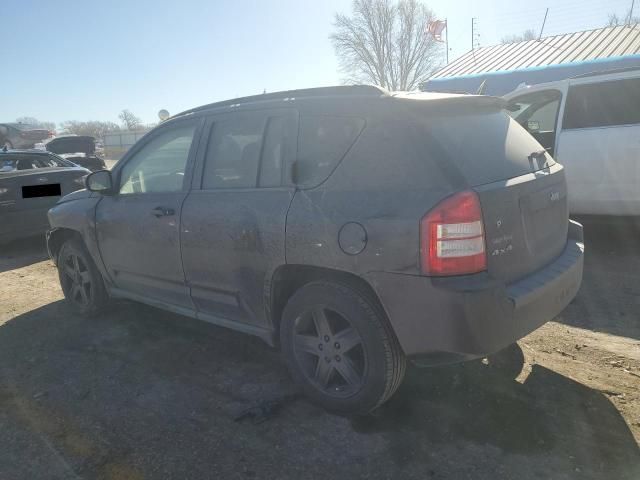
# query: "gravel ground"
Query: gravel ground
140,393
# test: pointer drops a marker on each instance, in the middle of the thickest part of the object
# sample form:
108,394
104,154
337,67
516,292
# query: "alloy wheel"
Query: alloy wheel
330,352
77,279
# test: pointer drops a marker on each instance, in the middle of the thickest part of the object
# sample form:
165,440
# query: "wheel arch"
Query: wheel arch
57,237
289,278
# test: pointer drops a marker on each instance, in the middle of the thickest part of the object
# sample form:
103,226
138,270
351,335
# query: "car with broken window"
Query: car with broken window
79,149
590,123
354,228
31,182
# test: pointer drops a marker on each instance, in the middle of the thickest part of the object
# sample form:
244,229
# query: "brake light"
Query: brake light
452,237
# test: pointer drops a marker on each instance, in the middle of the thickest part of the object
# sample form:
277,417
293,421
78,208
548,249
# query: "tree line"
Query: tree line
93,128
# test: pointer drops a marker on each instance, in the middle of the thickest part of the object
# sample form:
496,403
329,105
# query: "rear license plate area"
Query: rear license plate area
35,191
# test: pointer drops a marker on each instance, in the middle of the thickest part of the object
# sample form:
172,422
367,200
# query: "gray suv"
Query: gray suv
352,227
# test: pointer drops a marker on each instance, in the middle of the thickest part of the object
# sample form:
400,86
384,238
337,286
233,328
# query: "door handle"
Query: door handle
162,212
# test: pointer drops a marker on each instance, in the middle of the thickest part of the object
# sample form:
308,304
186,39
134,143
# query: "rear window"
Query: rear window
603,104
31,162
485,146
322,142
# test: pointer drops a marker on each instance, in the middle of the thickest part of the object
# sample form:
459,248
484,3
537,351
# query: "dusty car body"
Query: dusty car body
31,182
21,135
79,149
353,227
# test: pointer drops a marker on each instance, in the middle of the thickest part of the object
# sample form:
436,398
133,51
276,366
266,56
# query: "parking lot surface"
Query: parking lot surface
139,393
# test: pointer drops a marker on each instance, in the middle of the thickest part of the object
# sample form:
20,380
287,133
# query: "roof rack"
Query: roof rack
346,90
596,73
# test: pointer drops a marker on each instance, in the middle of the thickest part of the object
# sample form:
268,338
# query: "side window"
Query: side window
536,112
160,165
273,152
603,104
233,153
322,142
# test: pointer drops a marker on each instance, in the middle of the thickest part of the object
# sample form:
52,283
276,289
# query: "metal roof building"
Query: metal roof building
504,67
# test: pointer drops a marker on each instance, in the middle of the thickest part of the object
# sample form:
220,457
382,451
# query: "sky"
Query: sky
88,60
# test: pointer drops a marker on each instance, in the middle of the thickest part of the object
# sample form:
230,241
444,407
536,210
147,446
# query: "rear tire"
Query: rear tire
81,281
340,348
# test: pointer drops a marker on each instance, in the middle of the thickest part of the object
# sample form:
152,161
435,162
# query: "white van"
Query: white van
590,124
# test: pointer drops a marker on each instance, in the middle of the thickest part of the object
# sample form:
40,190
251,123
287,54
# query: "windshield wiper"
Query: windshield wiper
538,156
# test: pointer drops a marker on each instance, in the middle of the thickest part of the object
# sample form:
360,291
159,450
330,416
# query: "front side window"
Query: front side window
603,104
159,166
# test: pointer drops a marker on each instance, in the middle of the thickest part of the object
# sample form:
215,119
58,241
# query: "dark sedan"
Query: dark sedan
31,182
22,135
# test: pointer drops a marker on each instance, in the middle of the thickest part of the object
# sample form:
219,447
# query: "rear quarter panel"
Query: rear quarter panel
385,183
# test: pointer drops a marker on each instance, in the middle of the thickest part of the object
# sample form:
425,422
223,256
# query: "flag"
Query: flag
435,28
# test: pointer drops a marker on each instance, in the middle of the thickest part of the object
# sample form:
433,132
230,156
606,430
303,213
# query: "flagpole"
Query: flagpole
446,26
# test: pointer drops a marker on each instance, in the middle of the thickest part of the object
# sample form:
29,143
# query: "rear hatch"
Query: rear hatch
72,144
522,190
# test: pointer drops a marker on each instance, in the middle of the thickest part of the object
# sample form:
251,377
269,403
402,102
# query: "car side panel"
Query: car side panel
389,215
602,169
19,216
78,215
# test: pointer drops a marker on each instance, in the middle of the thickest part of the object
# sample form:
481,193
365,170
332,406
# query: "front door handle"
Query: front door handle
162,212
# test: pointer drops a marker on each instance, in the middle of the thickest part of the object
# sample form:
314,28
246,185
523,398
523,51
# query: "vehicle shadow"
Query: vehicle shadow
22,253
139,391
608,299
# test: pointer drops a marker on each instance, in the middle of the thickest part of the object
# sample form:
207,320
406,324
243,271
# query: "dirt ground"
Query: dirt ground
141,394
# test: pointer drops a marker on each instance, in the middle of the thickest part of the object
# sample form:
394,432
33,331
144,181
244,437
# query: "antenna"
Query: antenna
543,23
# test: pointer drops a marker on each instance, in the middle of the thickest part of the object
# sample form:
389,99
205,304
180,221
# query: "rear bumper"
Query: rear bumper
475,315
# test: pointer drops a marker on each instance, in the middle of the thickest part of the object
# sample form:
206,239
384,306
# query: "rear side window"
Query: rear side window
603,104
233,153
30,163
322,142
245,151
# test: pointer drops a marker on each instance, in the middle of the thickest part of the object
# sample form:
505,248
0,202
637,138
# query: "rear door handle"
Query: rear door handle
162,212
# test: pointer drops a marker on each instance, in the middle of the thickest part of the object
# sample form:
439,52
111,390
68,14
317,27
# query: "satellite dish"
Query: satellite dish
163,115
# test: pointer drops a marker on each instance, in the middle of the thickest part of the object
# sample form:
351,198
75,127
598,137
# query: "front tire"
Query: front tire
340,348
80,280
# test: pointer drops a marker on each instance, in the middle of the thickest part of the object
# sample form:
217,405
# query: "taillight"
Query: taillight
452,237
50,134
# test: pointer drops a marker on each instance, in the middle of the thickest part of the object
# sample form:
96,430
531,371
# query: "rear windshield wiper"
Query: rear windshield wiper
540,157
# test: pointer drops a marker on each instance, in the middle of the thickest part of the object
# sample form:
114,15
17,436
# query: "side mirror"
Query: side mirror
99,181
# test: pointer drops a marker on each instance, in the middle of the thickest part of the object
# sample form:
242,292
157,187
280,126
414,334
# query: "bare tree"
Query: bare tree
527,35
93,128
129,120
629,19
386,44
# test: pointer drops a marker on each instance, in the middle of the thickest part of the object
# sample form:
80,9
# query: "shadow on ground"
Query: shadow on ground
22,253
140,393
609,300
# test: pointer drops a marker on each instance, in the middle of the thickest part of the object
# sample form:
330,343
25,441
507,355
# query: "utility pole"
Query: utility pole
446,45
473,37
631,13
